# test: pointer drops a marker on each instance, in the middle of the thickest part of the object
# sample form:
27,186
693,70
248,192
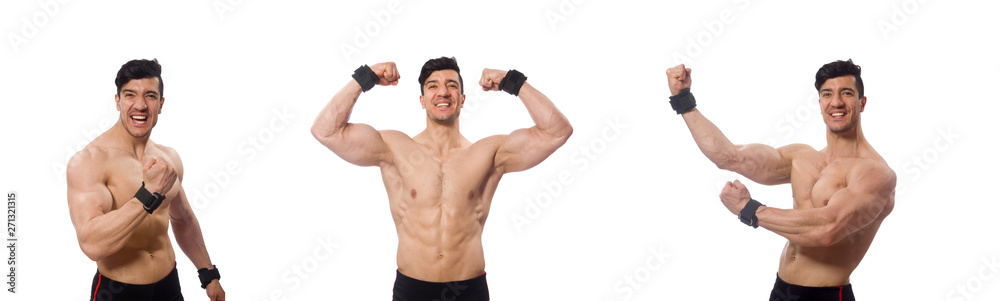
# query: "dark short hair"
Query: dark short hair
138,69
838,69
441,63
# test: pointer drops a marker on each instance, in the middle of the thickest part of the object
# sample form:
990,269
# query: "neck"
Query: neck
442,136
846,144
120,137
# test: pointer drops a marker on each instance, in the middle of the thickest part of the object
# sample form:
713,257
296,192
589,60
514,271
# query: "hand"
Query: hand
679,78
735,196
215,291
491,79
158,175
387,73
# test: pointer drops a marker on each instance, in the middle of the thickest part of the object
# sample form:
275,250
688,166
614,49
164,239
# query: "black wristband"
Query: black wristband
749,213
206,276
150,201
365,77
683,101
512,82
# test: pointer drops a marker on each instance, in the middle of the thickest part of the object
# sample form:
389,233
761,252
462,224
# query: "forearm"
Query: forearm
710,140
192,243
805,227
332,120
106,234
548,119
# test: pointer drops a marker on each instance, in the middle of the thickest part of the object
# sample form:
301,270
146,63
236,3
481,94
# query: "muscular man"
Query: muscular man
124,190
440,185
841,193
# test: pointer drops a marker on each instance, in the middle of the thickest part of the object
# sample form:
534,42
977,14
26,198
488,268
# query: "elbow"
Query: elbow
325,135
564,133
727,161
94,251
318,132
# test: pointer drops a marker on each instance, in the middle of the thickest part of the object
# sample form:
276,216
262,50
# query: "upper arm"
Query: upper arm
525,148
764,164
357,143
180,209
870,187
86,190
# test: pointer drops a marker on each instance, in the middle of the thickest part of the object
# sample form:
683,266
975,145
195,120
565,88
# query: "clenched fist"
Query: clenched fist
679,78
158,175
491,79
735,196
215,291
387,73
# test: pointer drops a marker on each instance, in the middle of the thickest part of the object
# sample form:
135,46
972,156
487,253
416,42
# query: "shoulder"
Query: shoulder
797,150
88,160
491,141
872,174
394,138
169,152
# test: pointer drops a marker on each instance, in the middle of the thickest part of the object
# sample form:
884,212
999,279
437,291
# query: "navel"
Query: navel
471,195
413,193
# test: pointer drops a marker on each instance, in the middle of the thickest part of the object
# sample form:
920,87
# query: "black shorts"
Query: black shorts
409,289
784,291
166,289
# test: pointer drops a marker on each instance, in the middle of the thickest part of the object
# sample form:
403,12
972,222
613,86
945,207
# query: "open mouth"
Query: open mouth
837,114
139,119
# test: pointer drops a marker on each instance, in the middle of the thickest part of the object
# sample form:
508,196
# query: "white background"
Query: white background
634,180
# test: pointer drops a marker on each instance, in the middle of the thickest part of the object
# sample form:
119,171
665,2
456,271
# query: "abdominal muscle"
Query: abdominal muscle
146,258
439,240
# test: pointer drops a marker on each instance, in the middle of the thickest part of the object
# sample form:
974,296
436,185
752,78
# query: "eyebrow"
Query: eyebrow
436,81
841,89
133,91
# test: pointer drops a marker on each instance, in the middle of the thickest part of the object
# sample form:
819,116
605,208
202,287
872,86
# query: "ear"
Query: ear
118,103
461,104
422,106
162,100
864,100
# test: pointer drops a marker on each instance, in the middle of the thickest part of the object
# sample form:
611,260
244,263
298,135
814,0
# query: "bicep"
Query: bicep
525,148
764,164
357,143
88,197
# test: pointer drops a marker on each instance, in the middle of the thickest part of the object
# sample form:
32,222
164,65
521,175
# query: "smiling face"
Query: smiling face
839,102
139,103
442,96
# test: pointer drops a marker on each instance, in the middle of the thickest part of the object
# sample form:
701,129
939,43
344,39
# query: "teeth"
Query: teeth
837,114
443,104
139,117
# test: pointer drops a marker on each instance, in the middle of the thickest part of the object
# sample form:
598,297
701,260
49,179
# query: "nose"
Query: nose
141,105
443,93
837,101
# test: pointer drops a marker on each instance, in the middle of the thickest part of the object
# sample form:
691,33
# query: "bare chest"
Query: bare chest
814,182
124,177
419,176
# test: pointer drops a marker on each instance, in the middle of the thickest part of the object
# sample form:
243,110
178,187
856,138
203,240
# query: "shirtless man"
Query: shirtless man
124,190
440,185
841,193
